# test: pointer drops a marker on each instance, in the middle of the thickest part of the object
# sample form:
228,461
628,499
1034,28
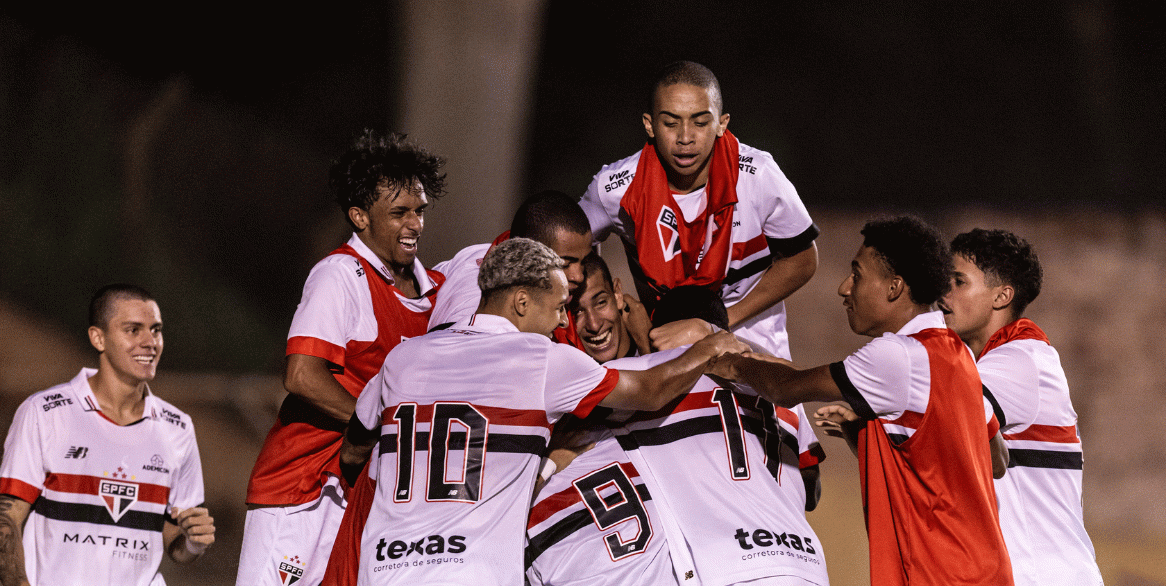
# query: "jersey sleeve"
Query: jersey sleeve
325,319
1010,375
188,490
786,218
574,382
875,380
370,404
22,473
601,219
810,452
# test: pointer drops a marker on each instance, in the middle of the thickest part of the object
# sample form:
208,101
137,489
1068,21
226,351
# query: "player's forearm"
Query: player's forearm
779,281
666,381
780,384
356,449
308,377
11,548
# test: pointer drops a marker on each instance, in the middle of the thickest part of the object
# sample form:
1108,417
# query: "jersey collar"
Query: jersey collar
487,323
424,283
84,395
923,321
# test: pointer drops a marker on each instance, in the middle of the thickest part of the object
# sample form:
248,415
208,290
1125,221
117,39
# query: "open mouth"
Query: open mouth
146,359
598,340
684,159
409,244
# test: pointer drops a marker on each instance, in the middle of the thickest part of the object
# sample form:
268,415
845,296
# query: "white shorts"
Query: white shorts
280,543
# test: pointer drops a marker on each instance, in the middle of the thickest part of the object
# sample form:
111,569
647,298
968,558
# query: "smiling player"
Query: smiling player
358,303
113,470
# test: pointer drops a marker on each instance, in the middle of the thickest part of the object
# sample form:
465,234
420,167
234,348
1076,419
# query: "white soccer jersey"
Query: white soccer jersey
337,308
459,295
594,524
101,492
725,463
465,414
768,207
1040,496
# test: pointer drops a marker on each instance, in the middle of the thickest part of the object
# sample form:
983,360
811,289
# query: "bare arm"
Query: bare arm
309,378
638,324
194,532
999,456
13,513
779,281
648,390
839,421
779,384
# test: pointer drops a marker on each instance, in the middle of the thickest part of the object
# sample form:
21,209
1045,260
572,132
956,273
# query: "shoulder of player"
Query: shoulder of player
165,411
469,256
613,179
51,401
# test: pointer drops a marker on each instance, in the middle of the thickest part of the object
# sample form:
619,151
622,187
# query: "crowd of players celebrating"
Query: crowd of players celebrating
515,415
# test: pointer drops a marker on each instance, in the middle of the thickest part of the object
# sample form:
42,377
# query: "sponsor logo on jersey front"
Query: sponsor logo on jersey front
666,227
290,570
55,400
762,543
427,551
617,180
118,496
157,464
746,165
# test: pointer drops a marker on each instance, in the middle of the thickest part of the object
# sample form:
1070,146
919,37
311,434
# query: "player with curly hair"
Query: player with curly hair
358,303
926,437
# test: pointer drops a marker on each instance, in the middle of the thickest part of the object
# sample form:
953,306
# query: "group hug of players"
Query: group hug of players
513,414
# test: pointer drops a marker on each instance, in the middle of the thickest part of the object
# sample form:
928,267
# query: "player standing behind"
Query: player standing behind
358,303
923,446
697,207
106,473
463,414
997,274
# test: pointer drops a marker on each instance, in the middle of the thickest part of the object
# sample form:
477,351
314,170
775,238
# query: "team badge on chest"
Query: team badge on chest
666,227
118,497
290,570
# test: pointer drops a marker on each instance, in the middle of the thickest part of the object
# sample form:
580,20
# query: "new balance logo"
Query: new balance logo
77,452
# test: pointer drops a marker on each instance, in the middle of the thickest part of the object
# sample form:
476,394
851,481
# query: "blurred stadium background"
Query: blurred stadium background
188,152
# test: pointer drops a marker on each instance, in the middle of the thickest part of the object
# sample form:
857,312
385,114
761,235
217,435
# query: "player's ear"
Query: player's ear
896,289
648,125
617,291
97,338
520,302
724,124
1004,296
358,217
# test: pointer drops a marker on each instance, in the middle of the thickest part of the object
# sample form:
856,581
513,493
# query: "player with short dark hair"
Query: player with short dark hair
102,474
697,207
358,303
468,411
927,439
997,274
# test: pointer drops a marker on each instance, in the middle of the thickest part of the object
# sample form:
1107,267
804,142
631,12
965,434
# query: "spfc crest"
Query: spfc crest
669,235
290,571
118,497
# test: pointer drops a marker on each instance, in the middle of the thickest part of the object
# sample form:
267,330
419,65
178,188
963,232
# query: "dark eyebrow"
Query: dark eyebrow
697,115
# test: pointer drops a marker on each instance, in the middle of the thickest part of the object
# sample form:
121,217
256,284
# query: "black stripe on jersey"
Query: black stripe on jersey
850,393
569,524
673,432
734,275
995,406
97,514
1045,459
786,247
898,438
496,442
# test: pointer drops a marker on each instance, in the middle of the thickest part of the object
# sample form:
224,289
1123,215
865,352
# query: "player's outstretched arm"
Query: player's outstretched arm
309,378
839,421
192,532
13,513
649,390
356,449
780,280
638,324
1000,456
778,383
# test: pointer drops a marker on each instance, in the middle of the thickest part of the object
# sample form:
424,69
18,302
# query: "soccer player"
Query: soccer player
106,474
743,521
463,414
697,207
997,274
923,447
358,303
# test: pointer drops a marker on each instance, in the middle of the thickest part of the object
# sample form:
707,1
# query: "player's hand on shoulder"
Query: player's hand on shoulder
679,333
197,526
637,323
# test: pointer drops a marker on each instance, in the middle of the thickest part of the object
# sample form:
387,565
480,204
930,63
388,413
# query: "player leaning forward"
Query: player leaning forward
358,303
997,274
106,473
928,442
462,416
